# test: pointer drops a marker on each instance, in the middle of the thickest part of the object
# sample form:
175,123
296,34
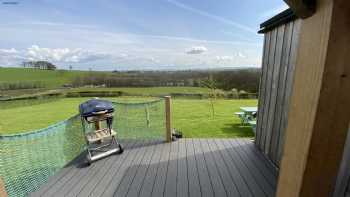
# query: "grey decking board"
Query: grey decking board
150,177
100,185
136,184
59,175
132,171
252,183
258,163
69,182
113,178
93,181
75,185
55,188
75,182
260,178
215,178
204,178
171,177
52,180
201,167
233,171
227,181
263,158
182,175
129,173
159,184
192,171
95,173
78,184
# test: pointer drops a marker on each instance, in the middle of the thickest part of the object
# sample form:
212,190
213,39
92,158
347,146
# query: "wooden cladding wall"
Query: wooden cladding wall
275,88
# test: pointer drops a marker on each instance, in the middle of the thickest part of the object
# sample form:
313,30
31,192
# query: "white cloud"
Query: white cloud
10,57
235,56
63,54
197,50
224,58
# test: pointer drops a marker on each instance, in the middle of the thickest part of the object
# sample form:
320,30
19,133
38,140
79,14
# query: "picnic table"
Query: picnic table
246,115
249,110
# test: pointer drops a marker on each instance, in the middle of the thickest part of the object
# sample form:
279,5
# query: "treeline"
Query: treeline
43,65
241,79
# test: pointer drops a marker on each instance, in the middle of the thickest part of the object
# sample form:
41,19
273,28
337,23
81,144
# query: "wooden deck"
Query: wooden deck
188,167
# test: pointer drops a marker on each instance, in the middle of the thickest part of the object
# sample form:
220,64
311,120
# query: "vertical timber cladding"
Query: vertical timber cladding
280,42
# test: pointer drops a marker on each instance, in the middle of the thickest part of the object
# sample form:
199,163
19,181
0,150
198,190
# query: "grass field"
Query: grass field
56,79
191,116
51,79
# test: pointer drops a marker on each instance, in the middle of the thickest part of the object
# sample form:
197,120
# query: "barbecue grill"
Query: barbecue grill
101,140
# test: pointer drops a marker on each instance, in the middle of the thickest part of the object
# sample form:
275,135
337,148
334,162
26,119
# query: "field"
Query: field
51,79
192,116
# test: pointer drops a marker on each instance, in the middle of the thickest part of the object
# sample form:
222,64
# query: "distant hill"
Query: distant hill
28,78
50,78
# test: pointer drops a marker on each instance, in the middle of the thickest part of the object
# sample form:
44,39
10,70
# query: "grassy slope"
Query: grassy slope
37,116
55,79
193,117
52,79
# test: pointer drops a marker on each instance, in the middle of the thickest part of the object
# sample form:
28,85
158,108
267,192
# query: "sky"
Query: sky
134,34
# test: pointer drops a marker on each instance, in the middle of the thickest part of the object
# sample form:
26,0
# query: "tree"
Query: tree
44,65
211,84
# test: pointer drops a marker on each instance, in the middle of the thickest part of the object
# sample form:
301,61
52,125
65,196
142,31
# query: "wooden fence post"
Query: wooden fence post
168,118
3,192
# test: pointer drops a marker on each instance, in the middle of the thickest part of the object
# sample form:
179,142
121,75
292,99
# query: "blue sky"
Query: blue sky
135,34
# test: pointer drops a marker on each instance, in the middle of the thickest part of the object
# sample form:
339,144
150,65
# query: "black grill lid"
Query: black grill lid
94,106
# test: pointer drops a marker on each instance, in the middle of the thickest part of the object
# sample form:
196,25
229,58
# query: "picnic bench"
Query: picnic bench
248,116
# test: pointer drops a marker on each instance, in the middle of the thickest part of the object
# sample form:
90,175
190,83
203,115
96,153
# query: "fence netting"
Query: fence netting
27,160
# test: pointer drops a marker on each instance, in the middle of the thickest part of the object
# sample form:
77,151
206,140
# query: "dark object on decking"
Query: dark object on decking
187,167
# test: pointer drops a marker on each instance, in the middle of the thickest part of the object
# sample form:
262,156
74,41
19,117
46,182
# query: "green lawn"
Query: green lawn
51,79
193,117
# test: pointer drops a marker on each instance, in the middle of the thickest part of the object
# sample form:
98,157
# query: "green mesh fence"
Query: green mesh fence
27,160
140,120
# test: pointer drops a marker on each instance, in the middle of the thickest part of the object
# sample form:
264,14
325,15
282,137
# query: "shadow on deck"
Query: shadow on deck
188,167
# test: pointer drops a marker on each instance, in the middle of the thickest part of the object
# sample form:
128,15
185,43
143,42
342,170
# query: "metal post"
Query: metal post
168,118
